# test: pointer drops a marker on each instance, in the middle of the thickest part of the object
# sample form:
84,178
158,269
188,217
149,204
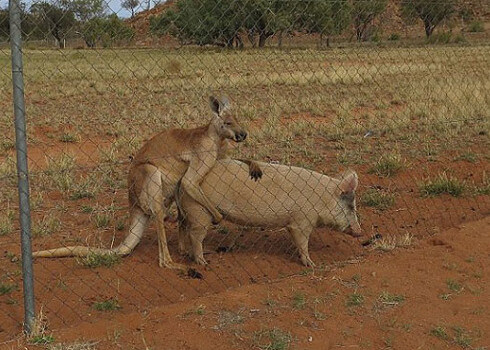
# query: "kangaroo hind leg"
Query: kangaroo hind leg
152,200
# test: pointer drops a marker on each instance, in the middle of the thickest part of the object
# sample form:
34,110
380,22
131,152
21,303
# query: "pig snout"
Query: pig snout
355,230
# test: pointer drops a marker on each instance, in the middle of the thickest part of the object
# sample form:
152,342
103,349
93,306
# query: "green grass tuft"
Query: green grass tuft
107,305
378,199
454,286
355,299
273,339
388,298
94,260
442,184
388,165
41,339
299,300
439,332
7,288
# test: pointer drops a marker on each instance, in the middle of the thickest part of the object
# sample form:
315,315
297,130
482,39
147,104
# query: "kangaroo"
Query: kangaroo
286,196
173,155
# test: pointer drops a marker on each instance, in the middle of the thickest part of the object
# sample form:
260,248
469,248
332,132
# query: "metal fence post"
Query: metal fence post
22,173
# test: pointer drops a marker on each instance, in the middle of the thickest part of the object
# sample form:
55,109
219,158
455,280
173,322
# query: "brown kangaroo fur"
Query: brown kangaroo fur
174,155
286,196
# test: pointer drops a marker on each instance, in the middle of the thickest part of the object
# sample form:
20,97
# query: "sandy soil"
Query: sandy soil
410,297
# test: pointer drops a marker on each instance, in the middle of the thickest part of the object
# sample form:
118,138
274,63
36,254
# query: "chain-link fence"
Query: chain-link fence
396,90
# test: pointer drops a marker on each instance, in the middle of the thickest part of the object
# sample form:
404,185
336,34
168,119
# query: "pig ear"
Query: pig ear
348,181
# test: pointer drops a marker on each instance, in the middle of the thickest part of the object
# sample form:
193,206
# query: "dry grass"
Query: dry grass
391,242
79,345
39,330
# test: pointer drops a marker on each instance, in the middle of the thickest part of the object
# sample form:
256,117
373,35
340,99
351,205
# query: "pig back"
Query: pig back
284,193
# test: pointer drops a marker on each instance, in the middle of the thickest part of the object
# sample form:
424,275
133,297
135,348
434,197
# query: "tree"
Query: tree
28,24
431,12
364,12
106,31
85,10
264,18
4,24
130,5
50,19
200,22
325,17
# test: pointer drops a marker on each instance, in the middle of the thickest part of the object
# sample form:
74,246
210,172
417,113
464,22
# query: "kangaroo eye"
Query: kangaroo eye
228,123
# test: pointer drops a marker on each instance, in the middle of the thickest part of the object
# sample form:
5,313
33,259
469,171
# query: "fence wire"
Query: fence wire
397,92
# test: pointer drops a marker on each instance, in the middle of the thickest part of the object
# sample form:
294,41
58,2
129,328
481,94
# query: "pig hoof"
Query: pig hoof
201,261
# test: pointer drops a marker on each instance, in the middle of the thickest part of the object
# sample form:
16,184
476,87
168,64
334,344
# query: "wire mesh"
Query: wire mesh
397,91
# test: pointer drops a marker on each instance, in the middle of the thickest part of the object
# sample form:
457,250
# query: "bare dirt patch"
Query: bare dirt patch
403,299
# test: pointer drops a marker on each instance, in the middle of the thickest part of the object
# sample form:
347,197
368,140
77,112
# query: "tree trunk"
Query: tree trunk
251,37
279,39
59,40
429,28
358,29
229,42
262,38
239,41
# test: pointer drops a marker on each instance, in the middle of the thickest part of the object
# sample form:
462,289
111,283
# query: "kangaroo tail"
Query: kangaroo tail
79,251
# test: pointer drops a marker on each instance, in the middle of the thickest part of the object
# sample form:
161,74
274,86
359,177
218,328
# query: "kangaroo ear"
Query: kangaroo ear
224,103
215,105
348,181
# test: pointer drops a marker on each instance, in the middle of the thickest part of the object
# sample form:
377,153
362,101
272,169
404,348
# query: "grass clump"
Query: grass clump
394,37
39,328
439,332
388,165
94,260
6,225
101,220
273,339
476,27
440,38
69,137
454,286
484,188
380,200
86,188
388,298
462,338
355,299
7,288
74,346
299,301
442,184
41,339
469,157
107,305
46,226
59,172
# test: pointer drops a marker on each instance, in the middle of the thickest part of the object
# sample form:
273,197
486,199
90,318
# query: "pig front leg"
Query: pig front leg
300,233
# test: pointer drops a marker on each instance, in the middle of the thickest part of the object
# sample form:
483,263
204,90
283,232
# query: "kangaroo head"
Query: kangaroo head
344,214
224,122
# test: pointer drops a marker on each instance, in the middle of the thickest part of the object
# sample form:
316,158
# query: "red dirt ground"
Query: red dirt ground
234,318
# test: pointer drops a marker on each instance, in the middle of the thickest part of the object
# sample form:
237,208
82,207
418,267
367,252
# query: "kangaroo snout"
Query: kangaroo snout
240,136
